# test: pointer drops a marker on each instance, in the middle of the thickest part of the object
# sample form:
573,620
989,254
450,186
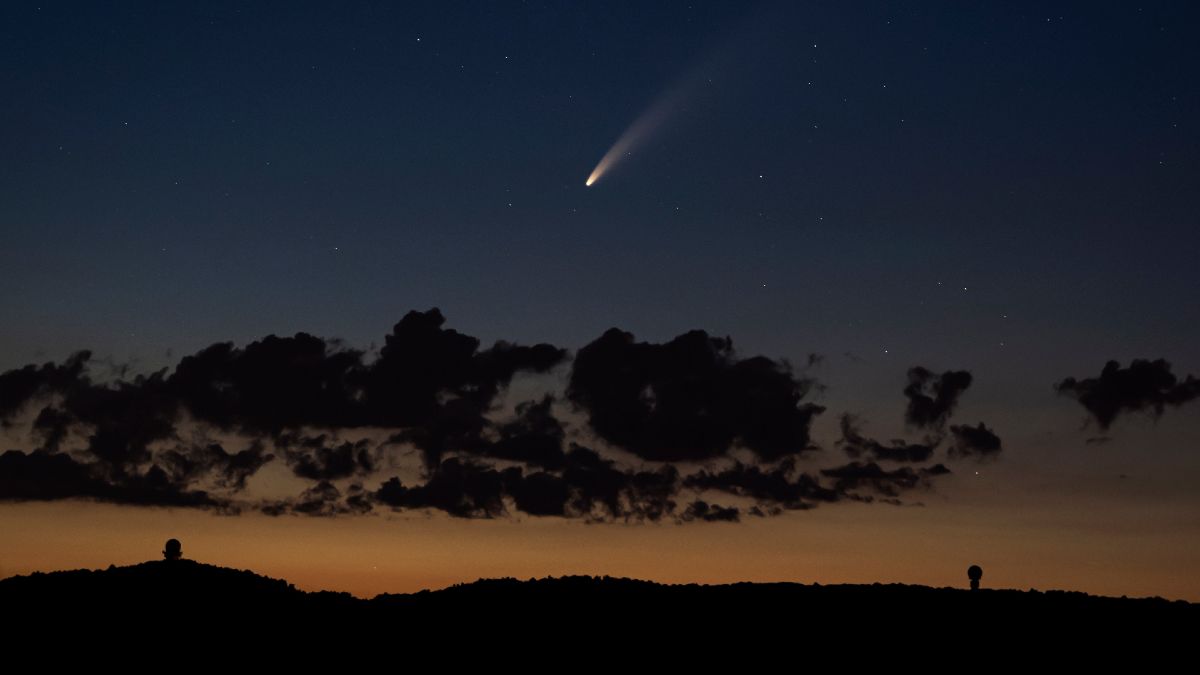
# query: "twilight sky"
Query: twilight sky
890,221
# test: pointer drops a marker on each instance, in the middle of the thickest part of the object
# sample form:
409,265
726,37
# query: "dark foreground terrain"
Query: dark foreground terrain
606,616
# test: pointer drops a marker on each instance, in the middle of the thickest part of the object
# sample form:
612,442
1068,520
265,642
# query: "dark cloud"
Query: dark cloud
600,489
434,384
323,500
870,476
931,397
541,494
588,487
43,476
979,442
132,440
273,384
856,445
53,425
1144,386
227,470
936,470
19,386
781,486
702,510
690,398
432,381
437,383
120,422
459,425
421,362
317,458
465,489
534,436
125,418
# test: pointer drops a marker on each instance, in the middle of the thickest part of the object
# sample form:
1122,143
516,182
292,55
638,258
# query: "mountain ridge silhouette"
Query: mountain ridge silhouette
180,597
152,571
151,574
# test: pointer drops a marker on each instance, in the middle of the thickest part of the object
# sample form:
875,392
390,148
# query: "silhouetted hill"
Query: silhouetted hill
155,581
587,611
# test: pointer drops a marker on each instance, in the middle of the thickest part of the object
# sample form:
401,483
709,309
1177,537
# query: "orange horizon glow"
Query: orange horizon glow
402,553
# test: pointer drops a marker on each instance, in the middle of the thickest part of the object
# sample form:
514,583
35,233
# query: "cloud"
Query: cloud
434,384
589,487
690,399
438,381
53,425
1145,385
602,490
534,436
856,445
784,488
979,442
931,397
432,381
271,385
195,435
702,510
460,488
21,385
870,476
780,486
316,458
541,494
44,476
227,470
323,500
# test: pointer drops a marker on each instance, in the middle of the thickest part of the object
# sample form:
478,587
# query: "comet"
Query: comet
752,35
641,129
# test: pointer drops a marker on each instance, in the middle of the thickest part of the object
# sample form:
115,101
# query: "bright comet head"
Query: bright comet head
596,174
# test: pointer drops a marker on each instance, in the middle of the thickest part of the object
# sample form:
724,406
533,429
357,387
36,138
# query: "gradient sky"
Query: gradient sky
1008,189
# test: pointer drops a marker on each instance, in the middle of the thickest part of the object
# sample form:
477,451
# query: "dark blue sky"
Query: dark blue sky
173,176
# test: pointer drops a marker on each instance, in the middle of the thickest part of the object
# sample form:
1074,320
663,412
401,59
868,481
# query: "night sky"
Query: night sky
890,220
